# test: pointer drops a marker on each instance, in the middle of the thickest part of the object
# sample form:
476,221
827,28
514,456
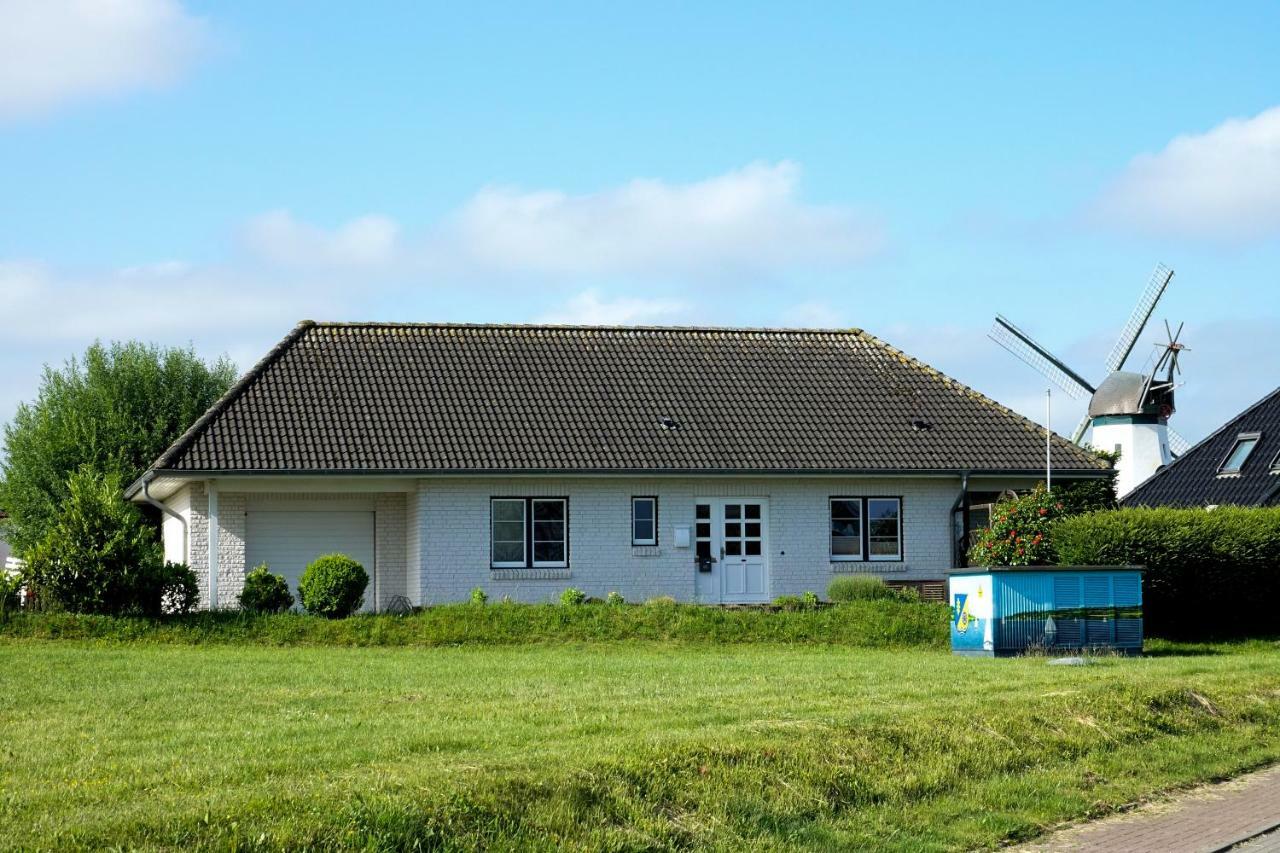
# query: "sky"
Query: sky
210,173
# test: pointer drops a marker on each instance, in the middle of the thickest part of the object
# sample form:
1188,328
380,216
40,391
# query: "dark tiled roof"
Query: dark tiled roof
1193,479
457,398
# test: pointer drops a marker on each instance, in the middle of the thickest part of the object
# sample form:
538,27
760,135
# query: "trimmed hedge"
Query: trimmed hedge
1209,572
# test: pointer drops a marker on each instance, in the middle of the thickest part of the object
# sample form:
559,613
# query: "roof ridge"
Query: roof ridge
588,327
1164,469
957,385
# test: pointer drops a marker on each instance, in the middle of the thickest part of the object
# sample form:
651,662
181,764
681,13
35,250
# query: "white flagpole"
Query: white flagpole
1048,434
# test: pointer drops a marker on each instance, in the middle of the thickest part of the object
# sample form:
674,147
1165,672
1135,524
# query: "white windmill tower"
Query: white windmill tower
1128,411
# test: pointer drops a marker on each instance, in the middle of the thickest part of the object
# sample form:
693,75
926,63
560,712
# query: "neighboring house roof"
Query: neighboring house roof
1195,477
446,398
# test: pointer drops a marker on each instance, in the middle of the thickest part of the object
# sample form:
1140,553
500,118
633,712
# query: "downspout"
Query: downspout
962,504
164,508
212,491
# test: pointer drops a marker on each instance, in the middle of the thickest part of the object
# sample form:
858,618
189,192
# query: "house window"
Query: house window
846,529
529,533
644,521
1235,460
1275,463
866,529
508,539
884,529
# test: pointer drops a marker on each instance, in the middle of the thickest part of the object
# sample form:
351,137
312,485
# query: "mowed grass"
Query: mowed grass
603,745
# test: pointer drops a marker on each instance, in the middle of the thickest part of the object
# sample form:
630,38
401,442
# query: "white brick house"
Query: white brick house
711,465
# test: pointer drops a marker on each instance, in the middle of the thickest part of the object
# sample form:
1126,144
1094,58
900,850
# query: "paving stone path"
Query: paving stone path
1241,815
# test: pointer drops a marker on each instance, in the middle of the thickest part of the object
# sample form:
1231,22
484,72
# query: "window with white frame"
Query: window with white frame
884,529
846,529
529,533
644,521
865,529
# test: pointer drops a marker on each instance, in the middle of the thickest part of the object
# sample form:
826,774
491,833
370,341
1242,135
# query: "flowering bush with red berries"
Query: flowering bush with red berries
1019,531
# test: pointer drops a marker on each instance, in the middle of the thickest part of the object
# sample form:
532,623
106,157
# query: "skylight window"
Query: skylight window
1244,445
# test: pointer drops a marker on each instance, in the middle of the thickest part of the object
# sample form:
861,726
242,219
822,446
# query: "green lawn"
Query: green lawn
603,745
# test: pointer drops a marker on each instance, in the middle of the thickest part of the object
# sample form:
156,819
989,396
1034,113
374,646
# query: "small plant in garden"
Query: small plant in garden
572,596
1019,534
810,599
859,588
175,589
615,599
661,601
264,592
789,602
479,596
333,586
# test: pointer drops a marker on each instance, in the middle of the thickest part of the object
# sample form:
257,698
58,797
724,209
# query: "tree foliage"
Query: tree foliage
98,556
113,411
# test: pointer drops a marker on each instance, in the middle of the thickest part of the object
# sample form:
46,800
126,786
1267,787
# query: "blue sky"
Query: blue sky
213,172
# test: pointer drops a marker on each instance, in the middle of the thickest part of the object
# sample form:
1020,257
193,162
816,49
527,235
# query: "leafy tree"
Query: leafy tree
114,411
99,556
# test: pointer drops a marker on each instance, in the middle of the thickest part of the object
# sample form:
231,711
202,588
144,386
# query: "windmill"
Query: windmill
1128,411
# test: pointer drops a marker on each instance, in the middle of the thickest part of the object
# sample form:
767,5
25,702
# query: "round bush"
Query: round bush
333,586
264,592
859,588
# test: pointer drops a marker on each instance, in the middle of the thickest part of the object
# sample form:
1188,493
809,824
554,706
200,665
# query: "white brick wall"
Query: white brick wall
390,546
454,534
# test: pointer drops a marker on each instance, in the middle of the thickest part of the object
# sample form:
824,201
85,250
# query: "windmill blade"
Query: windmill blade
1177,444
1137,321
1020,344
1078,435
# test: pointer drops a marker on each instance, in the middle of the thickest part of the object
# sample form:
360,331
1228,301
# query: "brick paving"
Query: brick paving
1207,820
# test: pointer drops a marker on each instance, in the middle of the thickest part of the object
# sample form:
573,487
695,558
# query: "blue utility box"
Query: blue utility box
1009,610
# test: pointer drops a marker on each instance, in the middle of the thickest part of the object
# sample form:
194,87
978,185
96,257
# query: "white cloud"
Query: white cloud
54,51
1222,184
745,221
367,241
589,309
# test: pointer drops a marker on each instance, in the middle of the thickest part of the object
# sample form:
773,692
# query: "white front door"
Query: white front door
731,531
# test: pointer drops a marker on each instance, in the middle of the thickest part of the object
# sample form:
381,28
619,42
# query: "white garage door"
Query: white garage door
288,540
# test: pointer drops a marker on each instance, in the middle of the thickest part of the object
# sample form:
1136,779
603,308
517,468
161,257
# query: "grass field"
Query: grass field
603,745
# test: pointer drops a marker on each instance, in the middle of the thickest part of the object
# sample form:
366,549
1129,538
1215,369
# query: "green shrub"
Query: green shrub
10,587
859,588
175,589
1019,531
264,592
99,556
810,599
333,586
615,599
479,596
1208,573
572,596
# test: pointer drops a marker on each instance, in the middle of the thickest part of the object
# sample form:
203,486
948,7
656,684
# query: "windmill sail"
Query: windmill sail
1020,344
1137,321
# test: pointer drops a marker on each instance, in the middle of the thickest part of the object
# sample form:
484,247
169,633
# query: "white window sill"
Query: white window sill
863,568
529,574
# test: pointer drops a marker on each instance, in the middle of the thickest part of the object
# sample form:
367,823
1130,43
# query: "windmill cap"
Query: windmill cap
1120,394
